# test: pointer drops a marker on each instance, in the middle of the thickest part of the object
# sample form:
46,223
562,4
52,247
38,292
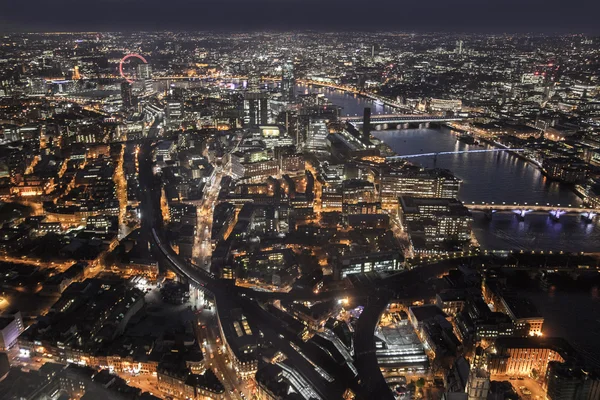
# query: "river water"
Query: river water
488,177
503,177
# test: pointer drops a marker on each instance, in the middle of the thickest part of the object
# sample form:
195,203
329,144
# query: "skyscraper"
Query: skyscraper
144,71
459,47
288,81
126,95
367,123
316,137
256,108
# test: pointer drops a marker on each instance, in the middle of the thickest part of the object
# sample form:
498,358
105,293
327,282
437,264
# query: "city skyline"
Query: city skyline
299,215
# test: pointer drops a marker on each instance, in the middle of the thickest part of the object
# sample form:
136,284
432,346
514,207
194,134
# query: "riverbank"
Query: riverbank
486,175
495,144
572,188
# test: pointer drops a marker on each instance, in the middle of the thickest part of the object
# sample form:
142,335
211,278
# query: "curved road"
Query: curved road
409,284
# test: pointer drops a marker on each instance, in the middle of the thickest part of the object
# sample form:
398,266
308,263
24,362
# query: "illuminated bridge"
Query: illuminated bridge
446,153
399,119
521,210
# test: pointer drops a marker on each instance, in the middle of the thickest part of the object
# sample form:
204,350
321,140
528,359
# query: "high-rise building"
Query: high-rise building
11,326
459,47
478,385
144,71
127,95
367,123
316,137
256,108
288,81
568,382
435,225
148,86
174,113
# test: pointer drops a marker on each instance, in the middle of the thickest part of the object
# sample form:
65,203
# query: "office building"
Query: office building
399,350
144,71
174,113
11,326
316,135
418,182
367,124
240,338
435,225
357,191
521,355
442,105
256,108
288,82
571,382
126,95
360,263
565,169
478,385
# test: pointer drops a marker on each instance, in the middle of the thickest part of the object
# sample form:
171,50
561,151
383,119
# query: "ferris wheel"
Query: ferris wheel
127,57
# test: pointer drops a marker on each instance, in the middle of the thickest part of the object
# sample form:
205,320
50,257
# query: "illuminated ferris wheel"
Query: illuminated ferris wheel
125,76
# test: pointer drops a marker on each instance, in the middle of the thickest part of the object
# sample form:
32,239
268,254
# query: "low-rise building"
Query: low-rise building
11,326
521,355
359,263
417,182
240,337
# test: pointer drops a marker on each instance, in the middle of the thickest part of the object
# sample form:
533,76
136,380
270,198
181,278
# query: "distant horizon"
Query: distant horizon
492,16
308,30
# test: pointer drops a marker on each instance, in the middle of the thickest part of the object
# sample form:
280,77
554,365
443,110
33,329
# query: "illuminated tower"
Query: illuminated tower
256,103
288,81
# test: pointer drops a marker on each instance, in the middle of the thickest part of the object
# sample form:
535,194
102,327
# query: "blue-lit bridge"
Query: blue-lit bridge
399,119
446,153
555,211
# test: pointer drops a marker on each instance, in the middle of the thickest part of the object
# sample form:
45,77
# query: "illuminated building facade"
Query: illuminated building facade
520,355
316,137
358,191
356,264
435,225
288,81
11,327
419,183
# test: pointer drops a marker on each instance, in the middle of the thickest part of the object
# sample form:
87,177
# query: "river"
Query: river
503,177
488,177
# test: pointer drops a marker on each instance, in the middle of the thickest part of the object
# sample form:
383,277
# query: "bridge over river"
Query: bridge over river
554,210
399,119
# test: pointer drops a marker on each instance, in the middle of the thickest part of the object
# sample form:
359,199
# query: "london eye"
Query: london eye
127,57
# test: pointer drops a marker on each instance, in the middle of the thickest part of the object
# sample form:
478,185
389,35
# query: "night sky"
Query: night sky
547,16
